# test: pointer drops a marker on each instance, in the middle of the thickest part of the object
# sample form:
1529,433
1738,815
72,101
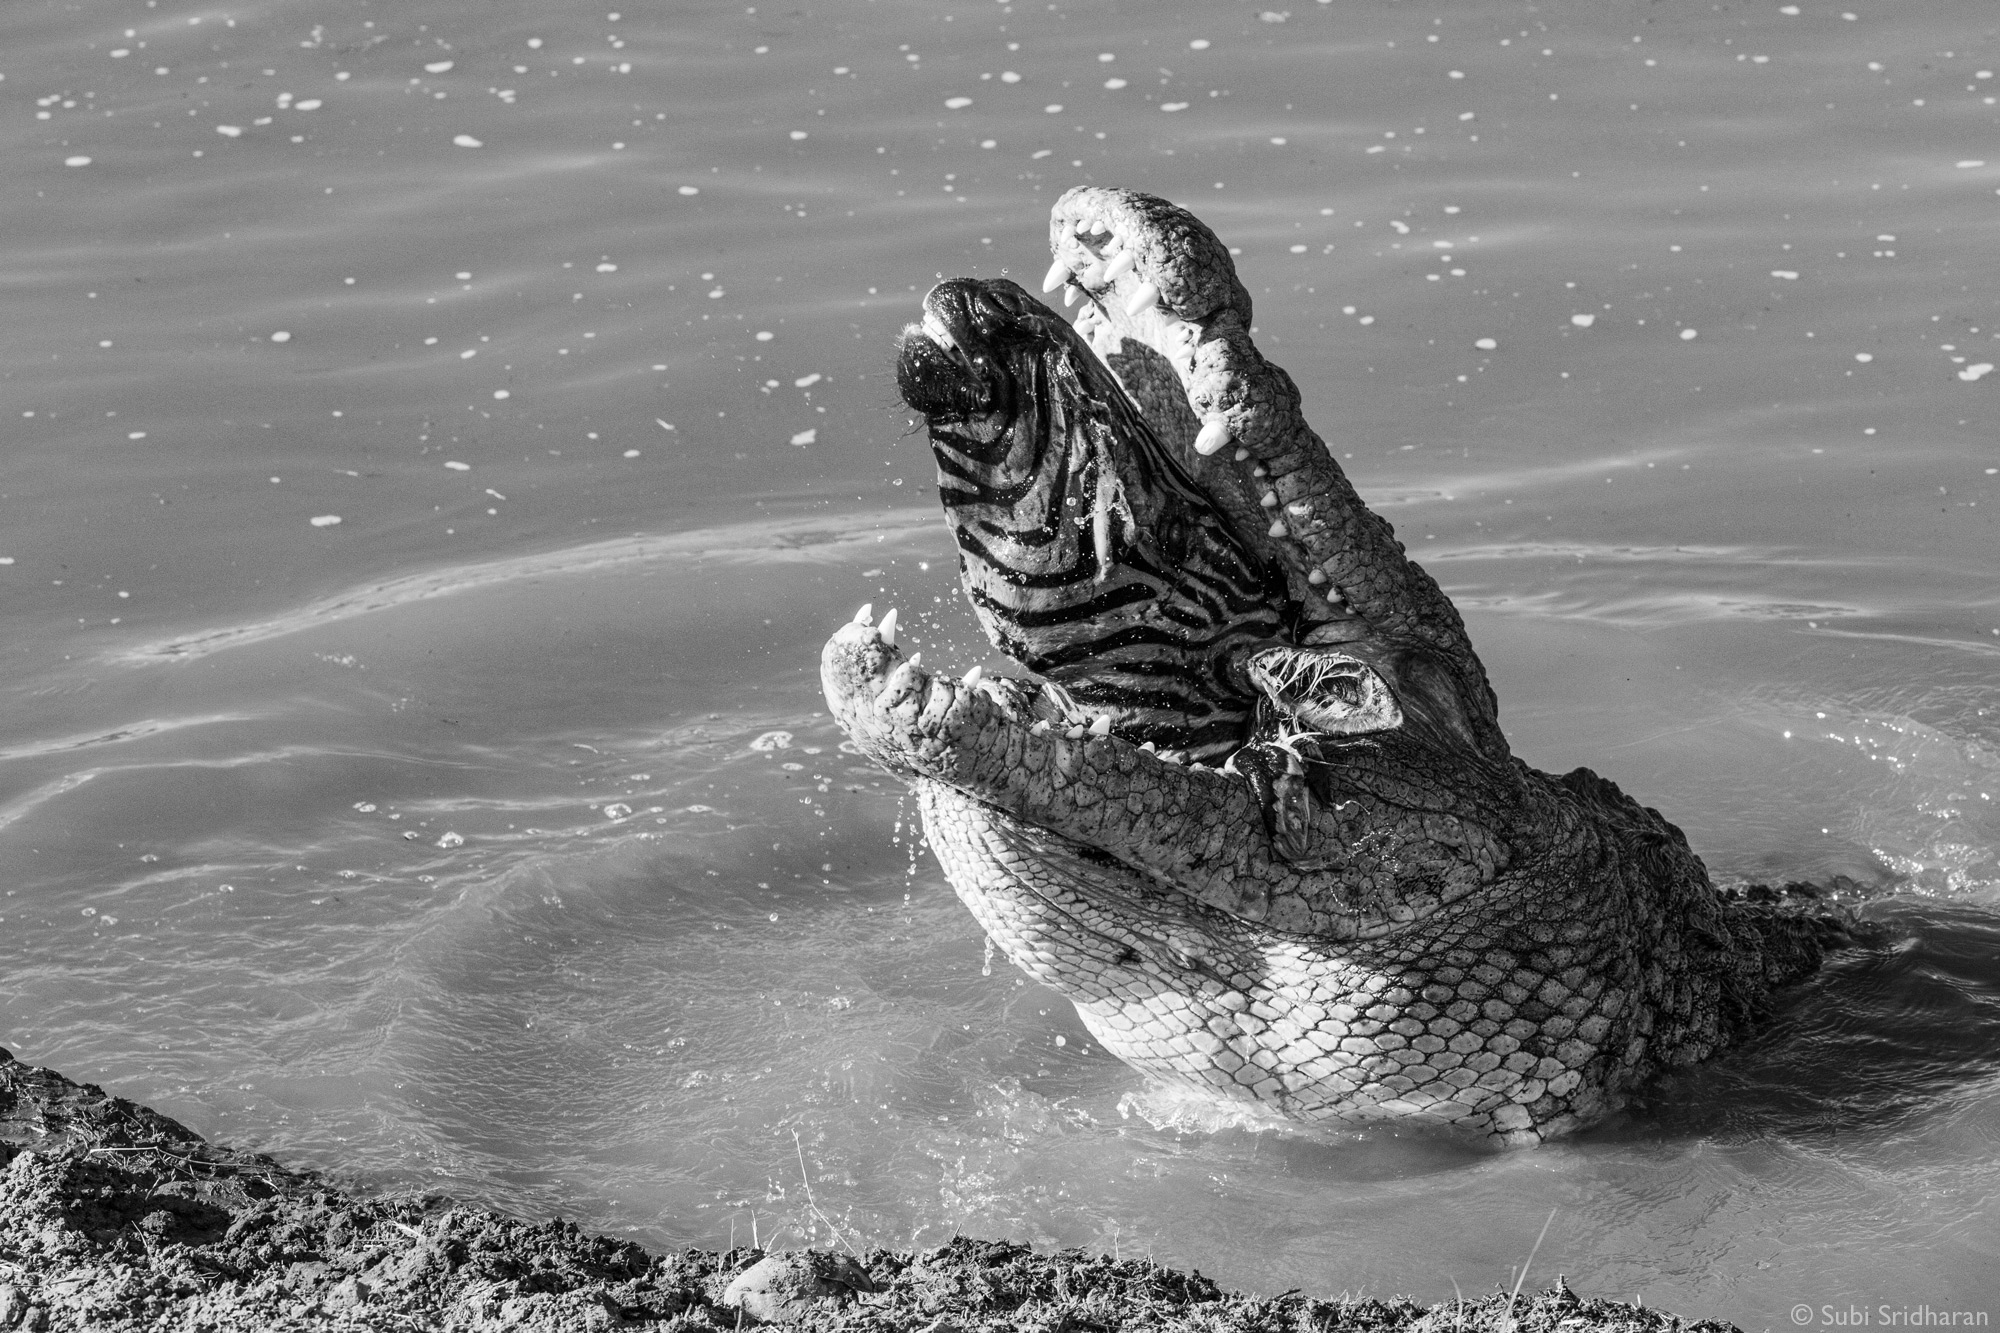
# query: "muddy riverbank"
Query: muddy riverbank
114,1217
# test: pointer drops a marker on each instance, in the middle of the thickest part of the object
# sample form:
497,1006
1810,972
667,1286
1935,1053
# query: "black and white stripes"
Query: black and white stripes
1090,556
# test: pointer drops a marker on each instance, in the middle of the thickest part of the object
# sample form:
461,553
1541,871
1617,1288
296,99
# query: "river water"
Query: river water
440,437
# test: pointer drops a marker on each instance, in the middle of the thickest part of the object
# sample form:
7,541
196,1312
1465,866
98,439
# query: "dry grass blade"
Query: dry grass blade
1507,1320
806,1179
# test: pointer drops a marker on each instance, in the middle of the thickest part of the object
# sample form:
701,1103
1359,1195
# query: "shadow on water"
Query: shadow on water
1897,1039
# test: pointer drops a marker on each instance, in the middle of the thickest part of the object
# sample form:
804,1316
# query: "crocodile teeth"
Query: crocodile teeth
916,659
1093,276
866,615
1071,293
1144,297
975,672
1214,434
1075,733
1057,276
1121,264
1242,454
1316,577
887,629
1277,528
1102,725
903,682
1041,728
1270,500
1150,747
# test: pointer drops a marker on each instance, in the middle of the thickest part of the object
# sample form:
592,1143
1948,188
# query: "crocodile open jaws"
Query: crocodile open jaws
1251,810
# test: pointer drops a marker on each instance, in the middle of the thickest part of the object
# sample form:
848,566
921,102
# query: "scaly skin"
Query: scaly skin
1470,942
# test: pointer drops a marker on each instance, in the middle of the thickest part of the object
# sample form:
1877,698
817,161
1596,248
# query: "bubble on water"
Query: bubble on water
457,466
1199,44
798,134
1583,321
690,189
310,104
631,453
501,393
466,141
77,161
765,335
773,740
806,381
607,268
806,437
1971,373
955,103
617,810
1864,356
451,840
325,520
365,807
232,131
437,67
281,337
1485,344
1688,335
1787,274
1970,163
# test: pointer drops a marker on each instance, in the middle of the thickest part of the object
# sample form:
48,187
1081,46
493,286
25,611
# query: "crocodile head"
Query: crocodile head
1250,807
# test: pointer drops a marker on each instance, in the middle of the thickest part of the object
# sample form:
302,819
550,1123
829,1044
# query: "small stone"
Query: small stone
783,1287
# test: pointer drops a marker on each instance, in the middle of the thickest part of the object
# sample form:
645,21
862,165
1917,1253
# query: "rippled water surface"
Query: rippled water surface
439,438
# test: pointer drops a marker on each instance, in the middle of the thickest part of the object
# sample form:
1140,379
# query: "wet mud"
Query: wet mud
114,1217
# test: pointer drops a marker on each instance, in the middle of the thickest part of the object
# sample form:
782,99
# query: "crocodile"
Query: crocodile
1248,804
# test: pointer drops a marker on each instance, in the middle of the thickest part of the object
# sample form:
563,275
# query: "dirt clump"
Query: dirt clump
114,1217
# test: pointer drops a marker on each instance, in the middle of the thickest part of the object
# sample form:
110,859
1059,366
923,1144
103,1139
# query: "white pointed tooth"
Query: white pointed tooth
1040,728
1242,454
1075,733
1121,264
1172,757
1144,297
1101,726
887,629
1270,500
1277,528
1057,276
1150,748
916,660
1093,276
866,615
1292,764
976,672
1071,294
1214,434
1259,471
1316,577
